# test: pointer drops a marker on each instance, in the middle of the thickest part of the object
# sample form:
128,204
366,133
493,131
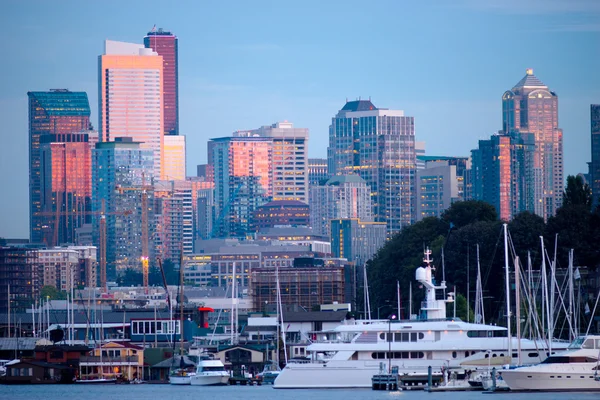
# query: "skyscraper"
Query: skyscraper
166,45
121,164
595,164
243,181
317,171
174,218
57,112
130,83
531,108
66,186
174,157
378,145
356,240
436,188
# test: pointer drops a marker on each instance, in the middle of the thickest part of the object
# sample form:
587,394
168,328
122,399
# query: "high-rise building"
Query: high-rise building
280,212
121,170
343,196
436,188
174,213
66,186
317,171
462,164
289,158
531,108
174,158
356,240
165,44
243,181
131,87
57,112
595,163
379,145
22,275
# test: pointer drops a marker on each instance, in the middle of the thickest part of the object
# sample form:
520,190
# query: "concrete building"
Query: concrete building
174,216
437,189
296,235
131,97
57,112
21,276
174,158
462,164
531,108
69,266
342,196
165,44
379,145
280,212
595,163
355,240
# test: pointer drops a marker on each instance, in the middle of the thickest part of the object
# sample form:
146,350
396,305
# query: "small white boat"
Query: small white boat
181,371
269,373
96,381
210,371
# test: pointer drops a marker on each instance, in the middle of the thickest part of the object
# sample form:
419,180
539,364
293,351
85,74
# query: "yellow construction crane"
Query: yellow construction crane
144,259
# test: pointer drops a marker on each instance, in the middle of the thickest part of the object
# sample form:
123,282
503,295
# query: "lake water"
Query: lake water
168,392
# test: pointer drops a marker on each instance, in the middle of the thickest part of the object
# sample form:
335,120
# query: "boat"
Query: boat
269,373
575,369
209,372
349,355
96,381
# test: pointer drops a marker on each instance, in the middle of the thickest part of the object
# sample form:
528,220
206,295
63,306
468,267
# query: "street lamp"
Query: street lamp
389,338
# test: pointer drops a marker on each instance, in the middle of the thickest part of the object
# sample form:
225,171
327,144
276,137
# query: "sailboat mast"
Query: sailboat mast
507,282
518,307
545,295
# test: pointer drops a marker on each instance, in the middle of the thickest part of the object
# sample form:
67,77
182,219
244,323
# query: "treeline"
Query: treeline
467,224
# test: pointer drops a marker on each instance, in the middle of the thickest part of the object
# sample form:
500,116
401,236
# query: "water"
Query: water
168,392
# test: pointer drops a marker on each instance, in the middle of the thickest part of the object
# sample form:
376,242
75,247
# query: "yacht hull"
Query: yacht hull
180,380
555,381
210,380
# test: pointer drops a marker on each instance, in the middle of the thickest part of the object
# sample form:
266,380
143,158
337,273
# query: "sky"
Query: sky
244,64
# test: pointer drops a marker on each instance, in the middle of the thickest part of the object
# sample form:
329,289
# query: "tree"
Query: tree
525,230
463,213
577,193
52,293
461,308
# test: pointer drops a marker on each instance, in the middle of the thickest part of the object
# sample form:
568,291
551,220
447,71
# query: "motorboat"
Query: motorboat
576,369
209,372
182,371
350,354
269,373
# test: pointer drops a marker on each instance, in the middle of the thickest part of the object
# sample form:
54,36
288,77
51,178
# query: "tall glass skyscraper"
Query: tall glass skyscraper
165,44
531,108
57,112
122,164
595,164
379,145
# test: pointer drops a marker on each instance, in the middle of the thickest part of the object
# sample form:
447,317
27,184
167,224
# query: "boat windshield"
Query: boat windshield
576,344
568,360
212,369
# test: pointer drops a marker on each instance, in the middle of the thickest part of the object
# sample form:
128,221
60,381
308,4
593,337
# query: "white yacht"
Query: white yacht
181,371
210,371
352,353
576,369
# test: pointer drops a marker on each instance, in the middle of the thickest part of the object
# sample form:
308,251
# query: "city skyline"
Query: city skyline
452,85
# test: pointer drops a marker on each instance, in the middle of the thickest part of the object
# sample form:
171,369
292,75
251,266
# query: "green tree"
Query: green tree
52,293
525,230
461,308
577,193
463,213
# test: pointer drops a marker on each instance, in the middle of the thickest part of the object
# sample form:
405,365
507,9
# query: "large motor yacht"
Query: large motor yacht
210,371
576,369
353,352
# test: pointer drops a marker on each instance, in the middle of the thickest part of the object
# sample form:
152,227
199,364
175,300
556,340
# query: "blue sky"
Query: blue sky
243,64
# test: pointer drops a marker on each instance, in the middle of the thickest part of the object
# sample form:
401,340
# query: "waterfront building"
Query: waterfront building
530,108
165,44
342,196
56,112
66,186
112,360
21,275
130,96
379,145
355,240
280,212
121,171
243,181
595,163
437,189
317,171
174,158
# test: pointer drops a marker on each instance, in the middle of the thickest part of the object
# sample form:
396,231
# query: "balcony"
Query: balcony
108,361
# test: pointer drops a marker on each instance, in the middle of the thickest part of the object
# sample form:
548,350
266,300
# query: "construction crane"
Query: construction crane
144,259
225,212
102,235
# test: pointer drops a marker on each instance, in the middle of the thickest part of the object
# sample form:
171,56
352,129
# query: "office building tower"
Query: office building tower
66,186
22,275
595,163
165,44
174,215
436,188
530,108
280,212
174,158
243,181
356,240
317,171
205,215
130,83
122,171
57,112
379,145
289,158
420,153
462,164
343,196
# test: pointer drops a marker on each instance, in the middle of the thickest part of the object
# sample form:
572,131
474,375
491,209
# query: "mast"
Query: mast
518,307
233,294
281,317
366,294
507,282
9,310
545,295
398,295
468,285
181,271
410,301
571,294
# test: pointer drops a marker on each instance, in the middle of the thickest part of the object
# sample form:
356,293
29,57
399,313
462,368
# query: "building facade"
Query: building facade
21,277
318,172
531,108
57,112
355,240
436,189
66,186
378,145
280,212
165,44
342,196
174,216
174,157
130,97
595,163
121,170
